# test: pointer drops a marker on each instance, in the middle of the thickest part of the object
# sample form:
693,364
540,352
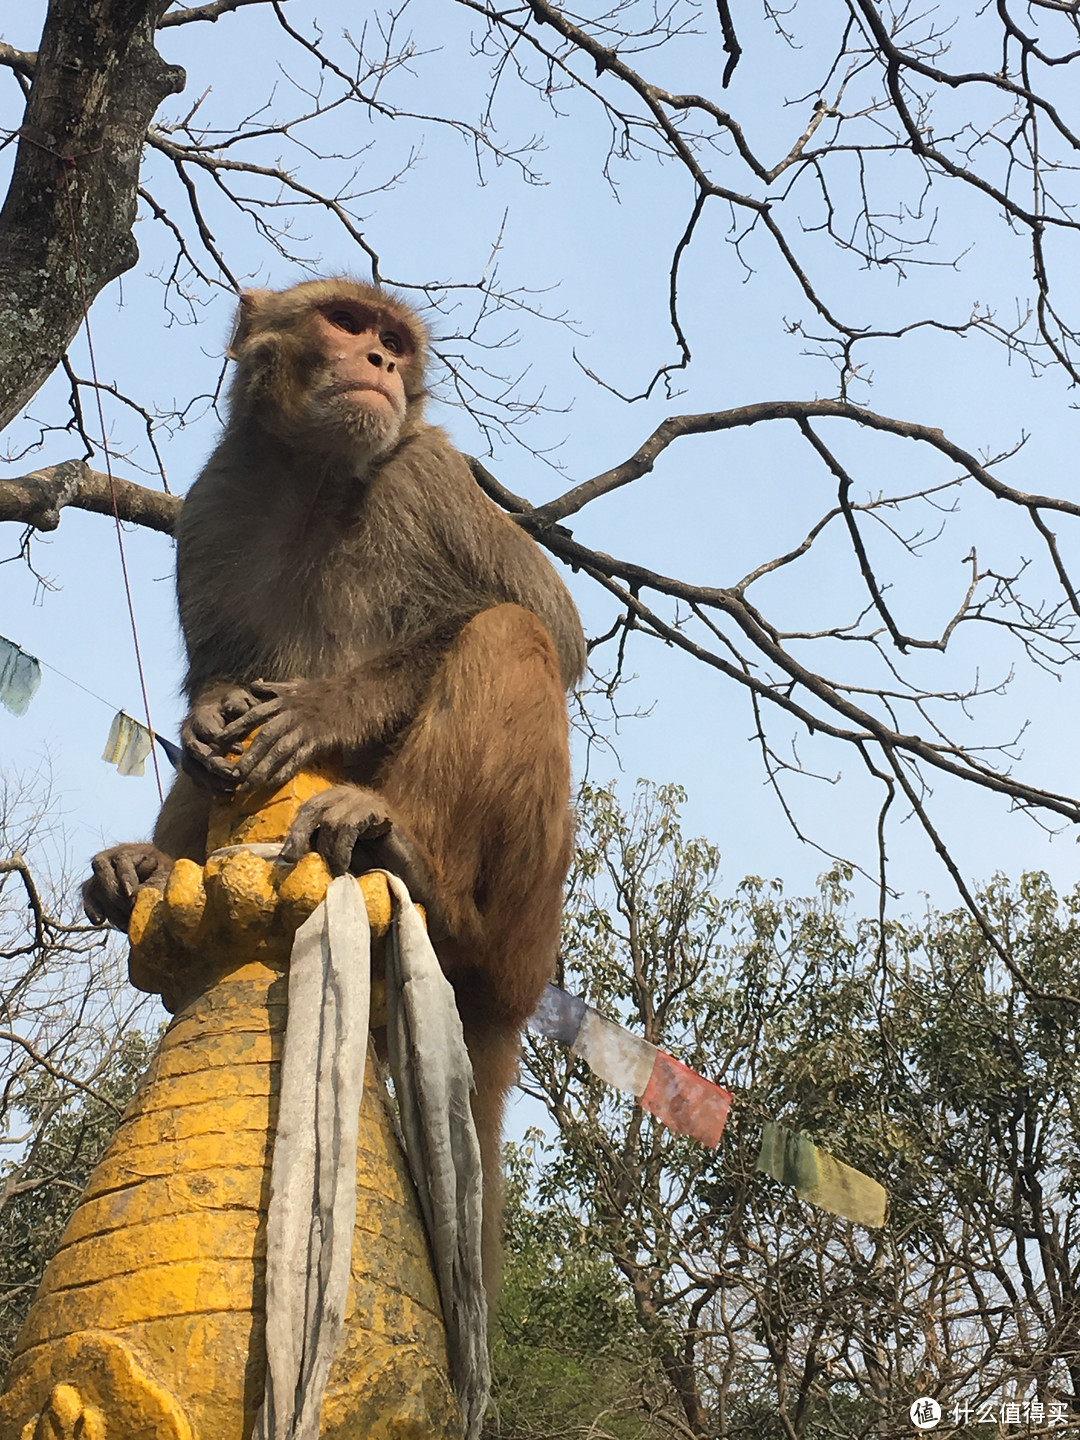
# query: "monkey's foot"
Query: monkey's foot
119,875
354,830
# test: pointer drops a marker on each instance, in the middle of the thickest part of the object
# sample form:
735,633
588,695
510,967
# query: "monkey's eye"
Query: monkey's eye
345,320
392,342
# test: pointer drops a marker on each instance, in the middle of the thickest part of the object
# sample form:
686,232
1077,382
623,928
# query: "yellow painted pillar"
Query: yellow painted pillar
149,1321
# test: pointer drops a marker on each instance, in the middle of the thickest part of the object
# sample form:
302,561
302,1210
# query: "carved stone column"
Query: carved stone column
149,1321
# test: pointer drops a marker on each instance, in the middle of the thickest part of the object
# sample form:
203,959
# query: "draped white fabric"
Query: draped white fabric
312,1209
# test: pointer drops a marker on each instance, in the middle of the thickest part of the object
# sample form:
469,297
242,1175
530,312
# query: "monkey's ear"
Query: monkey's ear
250,303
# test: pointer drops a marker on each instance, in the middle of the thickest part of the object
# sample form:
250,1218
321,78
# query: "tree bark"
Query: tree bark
65,228
38,498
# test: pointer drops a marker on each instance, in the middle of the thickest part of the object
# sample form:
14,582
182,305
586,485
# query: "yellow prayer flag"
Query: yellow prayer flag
815,1176
128,745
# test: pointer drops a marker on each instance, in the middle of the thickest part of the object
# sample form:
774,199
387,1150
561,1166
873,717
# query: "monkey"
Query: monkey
347,593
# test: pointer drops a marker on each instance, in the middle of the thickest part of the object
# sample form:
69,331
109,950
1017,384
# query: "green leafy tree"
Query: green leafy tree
910,1050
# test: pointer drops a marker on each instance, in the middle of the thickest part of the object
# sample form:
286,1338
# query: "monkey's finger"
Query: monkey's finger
242,727
275,755
335,843
298,841
92,906
271,689
211,770
127,876
235,704
286,759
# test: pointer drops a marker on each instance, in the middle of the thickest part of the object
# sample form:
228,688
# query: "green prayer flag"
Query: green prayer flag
815,1176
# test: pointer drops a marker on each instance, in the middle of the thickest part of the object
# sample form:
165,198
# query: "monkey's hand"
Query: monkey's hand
204,732
294,720
119,875
354,830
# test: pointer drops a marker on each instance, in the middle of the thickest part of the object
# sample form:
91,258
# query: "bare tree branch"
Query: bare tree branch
213,11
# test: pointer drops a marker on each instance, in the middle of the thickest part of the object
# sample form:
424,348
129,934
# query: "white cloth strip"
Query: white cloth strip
613,1054
433,1081
312,1209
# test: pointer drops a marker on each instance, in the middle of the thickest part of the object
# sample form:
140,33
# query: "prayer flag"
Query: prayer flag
817,1177
685,1101
613,1054
128,745
174,752
559,1015
20,676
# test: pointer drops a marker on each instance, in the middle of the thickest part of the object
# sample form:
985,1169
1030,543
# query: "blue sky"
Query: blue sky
712,509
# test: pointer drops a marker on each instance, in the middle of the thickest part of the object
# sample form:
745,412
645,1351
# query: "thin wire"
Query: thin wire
78,684
68,165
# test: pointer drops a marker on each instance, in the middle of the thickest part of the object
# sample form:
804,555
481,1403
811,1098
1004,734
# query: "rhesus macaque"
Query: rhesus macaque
348,593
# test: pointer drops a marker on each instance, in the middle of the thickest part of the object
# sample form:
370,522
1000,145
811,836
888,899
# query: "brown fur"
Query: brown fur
411,630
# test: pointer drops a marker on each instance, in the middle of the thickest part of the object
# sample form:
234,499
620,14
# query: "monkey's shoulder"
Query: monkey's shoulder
501,561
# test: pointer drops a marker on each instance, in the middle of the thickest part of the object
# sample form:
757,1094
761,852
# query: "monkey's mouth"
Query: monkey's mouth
349,387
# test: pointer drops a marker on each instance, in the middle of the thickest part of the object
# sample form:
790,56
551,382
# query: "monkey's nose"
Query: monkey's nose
375,359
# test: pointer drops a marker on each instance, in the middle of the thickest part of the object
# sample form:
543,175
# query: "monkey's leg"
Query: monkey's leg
481,782
182,823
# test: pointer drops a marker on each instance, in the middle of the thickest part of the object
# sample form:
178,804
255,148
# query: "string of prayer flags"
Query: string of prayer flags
689,1104
20,676
680,1098
815,1176
128,745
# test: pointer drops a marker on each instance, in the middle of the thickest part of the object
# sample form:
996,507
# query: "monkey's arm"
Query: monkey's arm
301,721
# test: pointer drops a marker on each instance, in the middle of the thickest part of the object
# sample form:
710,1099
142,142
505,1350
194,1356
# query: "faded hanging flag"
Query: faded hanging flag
128,745
815,1176
20,676
685,1101
613,1054
559,1015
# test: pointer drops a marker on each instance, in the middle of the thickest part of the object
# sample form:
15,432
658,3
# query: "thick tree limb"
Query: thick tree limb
37,499
69,212
21,61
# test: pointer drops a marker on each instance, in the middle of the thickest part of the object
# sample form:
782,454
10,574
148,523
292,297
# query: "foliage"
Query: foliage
567,1355
905,1049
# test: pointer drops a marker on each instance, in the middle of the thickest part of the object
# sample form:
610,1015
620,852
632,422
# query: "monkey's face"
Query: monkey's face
332,366
360,386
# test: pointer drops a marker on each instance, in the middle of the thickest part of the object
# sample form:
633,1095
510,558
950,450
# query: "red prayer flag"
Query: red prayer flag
685,1101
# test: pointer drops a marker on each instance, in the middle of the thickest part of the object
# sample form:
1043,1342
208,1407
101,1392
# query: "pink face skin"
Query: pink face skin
367,354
